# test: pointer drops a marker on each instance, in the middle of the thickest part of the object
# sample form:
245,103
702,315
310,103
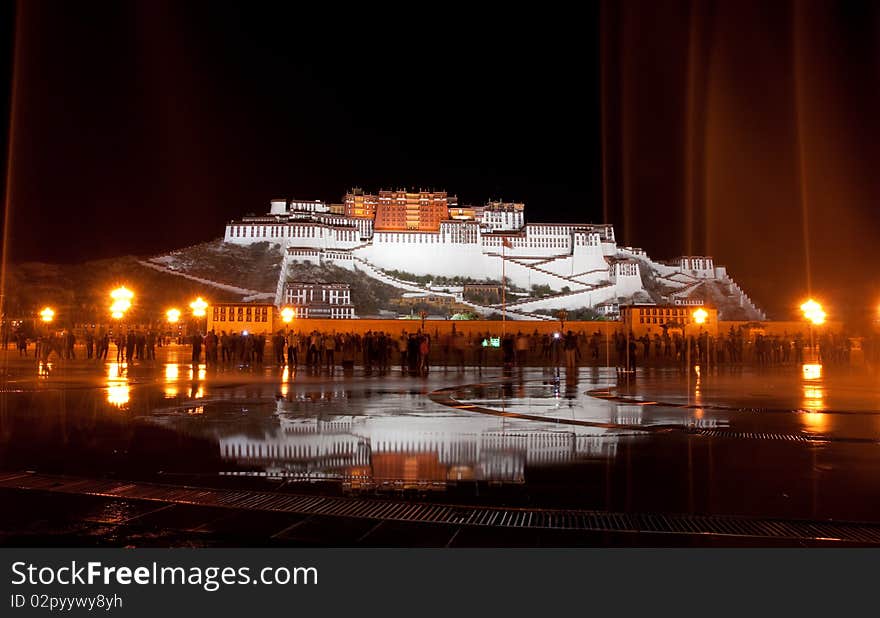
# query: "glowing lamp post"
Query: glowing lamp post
198,307
172,316
815,316
47,315
122,297
287,315
699,316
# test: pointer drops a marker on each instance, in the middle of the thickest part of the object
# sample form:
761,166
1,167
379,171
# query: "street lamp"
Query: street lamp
813,312
122,297
47,315
287,315
815,316
173,317
198,307
699,316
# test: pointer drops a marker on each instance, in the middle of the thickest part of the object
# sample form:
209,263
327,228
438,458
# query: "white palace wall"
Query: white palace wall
573,256
306,234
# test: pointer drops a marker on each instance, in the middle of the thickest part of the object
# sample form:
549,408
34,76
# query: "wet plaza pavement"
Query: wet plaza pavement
765,444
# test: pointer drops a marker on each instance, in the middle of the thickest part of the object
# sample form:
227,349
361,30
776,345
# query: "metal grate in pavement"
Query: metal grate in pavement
499,517
758,435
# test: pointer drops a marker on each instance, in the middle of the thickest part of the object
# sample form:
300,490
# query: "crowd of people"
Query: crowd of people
374,350
734,347
134,344
416,352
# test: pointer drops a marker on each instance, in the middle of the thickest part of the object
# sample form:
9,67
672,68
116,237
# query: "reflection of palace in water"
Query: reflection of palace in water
407,450
393,443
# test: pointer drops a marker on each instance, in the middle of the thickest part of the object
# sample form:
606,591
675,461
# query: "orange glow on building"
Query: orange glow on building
360,204
402,210
465,213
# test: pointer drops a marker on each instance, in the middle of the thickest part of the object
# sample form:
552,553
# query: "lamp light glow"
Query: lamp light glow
813,312
812,371
198,307
122,297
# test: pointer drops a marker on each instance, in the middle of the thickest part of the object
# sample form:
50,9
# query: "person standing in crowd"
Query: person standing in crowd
522,349
259,347
104,346
130,343
247,357
632,352
292,345
69,341
382,352
401,350
238,347
151,345
424,351
329,352
196,342
140,345
571,350
211,349
278,347
225,351
508,350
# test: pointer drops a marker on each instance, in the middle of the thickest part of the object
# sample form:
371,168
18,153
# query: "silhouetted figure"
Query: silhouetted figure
196,342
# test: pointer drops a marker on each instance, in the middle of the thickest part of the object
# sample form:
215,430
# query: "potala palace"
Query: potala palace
428,233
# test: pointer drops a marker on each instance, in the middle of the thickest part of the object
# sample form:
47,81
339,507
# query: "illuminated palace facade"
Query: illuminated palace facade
429,233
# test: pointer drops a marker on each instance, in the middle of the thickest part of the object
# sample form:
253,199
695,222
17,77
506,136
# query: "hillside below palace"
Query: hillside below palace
429,233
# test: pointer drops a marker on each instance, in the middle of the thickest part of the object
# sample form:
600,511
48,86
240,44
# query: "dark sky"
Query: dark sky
144,126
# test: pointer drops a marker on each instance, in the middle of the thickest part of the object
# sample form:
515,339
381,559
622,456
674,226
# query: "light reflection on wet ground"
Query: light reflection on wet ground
172,421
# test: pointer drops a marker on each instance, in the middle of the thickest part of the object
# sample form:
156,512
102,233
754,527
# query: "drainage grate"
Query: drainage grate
755,435
597,521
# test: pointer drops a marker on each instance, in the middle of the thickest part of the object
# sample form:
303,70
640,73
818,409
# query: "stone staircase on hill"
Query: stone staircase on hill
560,280
374,271
555,298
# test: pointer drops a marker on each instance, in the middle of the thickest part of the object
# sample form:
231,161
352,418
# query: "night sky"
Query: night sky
141,127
